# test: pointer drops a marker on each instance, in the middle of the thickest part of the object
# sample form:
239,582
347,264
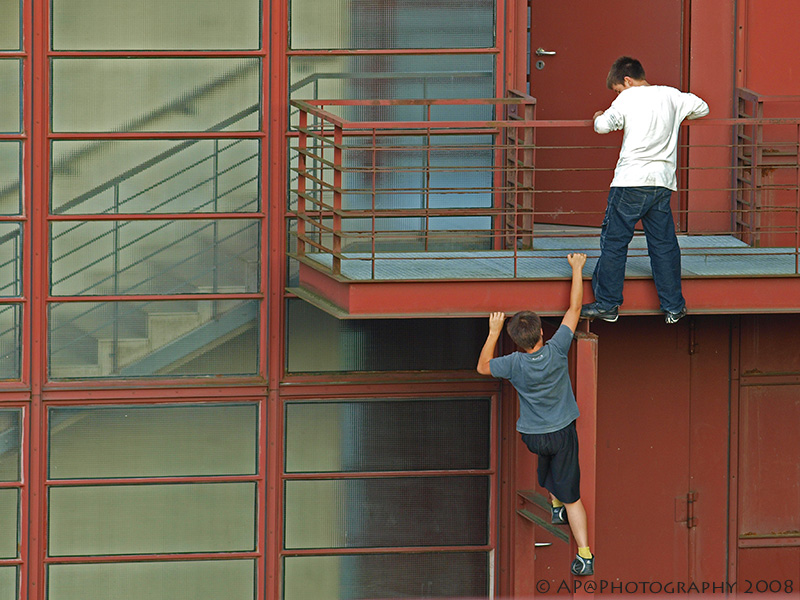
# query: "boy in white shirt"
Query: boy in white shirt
644,179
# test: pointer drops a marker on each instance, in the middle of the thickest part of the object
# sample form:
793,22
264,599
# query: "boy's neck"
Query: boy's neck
536,347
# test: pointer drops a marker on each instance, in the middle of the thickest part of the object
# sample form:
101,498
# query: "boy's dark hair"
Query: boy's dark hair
525,328
623,67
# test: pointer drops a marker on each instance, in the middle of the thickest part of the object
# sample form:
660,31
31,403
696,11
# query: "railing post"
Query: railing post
302,143
373,219
797,203
337,199
426,190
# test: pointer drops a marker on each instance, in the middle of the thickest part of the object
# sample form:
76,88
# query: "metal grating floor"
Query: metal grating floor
701,256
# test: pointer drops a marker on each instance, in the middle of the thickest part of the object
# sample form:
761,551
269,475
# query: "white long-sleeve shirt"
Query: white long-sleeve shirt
650,117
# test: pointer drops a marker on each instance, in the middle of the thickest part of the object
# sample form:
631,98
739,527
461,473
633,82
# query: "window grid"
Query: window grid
23,521
197,182
214,558
342,476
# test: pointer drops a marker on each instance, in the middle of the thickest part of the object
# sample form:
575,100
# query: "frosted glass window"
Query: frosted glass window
153,441
10,177
156,25
377,512
159,338
155,176
10,259
155,94
387,435
154,257
377,24
9,523
10,424
318,342
389,77
389,576
10,341
152,519
10,95
8,583
10,25
178,580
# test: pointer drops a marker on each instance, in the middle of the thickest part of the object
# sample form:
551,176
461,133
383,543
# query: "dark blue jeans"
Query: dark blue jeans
626,206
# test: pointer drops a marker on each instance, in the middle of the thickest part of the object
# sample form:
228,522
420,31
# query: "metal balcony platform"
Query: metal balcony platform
721,275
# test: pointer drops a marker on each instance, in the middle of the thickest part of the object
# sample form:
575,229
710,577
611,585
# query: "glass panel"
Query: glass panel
401,511
155,94
155,257
9,523
152,519
387,435
10,95
10,259
389,77
10,177
9,25
10,340
318,342
155,176
378,24
184,580
153,441
156,25
390,576
10,420
8,582
140,339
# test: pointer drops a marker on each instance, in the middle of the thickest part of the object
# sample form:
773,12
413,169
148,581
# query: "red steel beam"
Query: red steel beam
548,297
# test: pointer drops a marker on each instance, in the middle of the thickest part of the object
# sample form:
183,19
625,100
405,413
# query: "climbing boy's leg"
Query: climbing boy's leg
558,512
578,523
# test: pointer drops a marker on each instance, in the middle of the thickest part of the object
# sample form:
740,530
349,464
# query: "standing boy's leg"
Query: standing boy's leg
664,251
625,207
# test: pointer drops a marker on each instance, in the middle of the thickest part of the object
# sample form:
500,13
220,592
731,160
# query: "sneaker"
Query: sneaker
558,515
582,566
671,318
590,311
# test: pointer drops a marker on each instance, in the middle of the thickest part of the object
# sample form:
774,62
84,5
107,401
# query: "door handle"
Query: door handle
543,52
542,544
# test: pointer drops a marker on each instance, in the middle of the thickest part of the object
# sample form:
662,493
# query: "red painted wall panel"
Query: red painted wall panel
711,76
708,452
770,46
642,449
769,477
769,344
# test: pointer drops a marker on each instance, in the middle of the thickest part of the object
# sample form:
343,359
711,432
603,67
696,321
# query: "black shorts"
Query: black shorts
559,471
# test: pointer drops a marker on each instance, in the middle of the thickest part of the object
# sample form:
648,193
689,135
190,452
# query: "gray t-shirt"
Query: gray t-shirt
546,401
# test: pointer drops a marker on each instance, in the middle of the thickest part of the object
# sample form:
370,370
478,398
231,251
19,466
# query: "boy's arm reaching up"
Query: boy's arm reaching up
496,320
573,314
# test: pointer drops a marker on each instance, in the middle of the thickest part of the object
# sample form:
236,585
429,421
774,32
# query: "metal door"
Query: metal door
572,45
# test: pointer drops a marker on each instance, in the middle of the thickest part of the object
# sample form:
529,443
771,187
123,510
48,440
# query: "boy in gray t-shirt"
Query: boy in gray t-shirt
547,407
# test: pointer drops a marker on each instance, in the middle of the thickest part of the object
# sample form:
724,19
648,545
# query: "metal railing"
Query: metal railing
375,191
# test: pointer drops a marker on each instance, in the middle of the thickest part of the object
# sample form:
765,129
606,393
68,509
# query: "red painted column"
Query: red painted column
586,395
